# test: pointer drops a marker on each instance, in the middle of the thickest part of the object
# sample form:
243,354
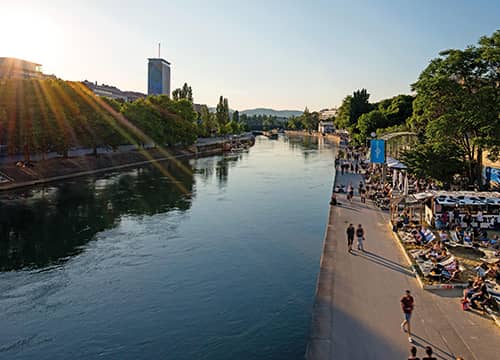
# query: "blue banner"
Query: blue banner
377,151
494,178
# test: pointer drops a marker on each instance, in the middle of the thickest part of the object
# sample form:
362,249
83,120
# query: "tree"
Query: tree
183,93
208,123
434,161
236,116
370,122
397,109
353,106
343,120
222,114
458,101
359,105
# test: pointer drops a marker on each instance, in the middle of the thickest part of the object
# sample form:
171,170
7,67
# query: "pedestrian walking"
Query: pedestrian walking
407,305
360,234
350,236
363,196
350,192
413,354
428,352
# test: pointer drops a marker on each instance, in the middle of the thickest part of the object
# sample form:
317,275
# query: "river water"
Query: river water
214,258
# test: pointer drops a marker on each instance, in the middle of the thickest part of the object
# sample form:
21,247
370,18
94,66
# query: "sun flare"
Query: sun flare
29,36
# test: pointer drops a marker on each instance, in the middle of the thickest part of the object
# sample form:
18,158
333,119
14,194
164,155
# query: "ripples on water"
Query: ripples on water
128,266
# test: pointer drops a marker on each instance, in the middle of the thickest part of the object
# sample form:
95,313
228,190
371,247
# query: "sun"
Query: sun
28,36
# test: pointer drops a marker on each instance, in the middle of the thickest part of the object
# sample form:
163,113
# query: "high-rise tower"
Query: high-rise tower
158,76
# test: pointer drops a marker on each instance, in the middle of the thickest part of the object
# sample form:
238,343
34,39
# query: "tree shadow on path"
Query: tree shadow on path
385,263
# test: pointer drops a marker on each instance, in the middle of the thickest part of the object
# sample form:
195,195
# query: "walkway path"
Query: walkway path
357,312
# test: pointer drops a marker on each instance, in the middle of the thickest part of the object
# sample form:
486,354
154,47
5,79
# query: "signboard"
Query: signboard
493,177
377,151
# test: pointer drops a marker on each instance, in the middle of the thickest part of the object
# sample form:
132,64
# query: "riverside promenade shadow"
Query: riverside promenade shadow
439,352
387,264
346,338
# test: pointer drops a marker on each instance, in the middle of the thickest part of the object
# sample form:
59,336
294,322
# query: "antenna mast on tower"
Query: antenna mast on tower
159,48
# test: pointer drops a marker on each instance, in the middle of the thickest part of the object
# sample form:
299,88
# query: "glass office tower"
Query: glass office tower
158,77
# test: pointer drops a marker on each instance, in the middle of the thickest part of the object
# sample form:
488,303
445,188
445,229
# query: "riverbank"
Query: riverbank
356,309
56,169
331,137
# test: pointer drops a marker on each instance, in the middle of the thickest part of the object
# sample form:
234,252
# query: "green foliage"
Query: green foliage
294,123
458,101
183,93
262,122
236,116
39,116
370,122
343,120
353,106
435,161
222,114
207,123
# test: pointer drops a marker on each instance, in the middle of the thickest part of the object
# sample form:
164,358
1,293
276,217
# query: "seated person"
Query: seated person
467,237
480,295
439,223
442,255
469,290
454,270
481,270
443,236
439,271
494,242
406,218
418,237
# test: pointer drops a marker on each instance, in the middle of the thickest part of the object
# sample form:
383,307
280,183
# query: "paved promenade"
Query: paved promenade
357,313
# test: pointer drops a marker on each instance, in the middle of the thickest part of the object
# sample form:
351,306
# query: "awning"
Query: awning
394,164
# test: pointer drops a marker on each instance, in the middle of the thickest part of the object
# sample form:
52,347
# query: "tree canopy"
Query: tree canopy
40,116
458,101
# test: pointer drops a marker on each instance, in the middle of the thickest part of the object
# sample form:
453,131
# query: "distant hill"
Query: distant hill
283,114
272,112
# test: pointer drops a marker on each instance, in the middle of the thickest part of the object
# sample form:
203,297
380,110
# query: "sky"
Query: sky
261,53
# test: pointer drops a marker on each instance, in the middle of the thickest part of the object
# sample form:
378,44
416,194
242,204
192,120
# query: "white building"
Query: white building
112,91
326,127
327,114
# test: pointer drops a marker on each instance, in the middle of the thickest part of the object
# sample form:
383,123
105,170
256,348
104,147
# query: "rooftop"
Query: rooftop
159,59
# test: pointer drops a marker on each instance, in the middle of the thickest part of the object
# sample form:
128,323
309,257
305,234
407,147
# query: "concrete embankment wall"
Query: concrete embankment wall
58,169
319,343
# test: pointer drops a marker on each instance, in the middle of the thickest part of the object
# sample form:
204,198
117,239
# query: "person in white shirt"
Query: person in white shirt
479,217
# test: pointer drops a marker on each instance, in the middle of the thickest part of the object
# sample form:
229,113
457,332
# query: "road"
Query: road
357,314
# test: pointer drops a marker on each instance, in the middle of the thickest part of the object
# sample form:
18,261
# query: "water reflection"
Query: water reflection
46,226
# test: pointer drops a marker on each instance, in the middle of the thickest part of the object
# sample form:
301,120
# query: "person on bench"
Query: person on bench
479,296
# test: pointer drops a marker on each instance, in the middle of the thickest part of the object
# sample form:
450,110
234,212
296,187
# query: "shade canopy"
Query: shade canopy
394,164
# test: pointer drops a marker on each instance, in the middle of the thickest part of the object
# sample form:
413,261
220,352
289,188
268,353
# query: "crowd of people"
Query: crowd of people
435,248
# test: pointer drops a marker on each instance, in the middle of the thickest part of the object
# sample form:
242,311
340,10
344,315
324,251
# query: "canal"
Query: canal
213,258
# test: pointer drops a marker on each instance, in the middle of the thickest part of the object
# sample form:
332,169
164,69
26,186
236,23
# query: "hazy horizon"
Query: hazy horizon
266,54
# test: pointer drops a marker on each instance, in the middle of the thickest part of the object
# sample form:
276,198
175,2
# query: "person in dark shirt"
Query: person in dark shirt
428,351
350,236
407,305
360,234
413,353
